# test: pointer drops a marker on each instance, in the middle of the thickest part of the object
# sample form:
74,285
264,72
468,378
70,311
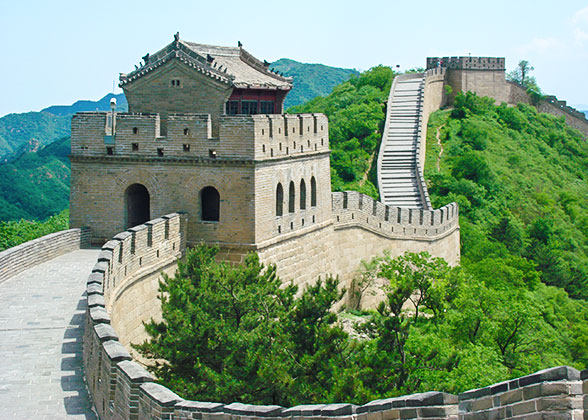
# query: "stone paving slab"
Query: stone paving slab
41,332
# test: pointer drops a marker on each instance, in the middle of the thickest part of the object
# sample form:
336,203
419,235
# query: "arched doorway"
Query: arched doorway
209,204
137,205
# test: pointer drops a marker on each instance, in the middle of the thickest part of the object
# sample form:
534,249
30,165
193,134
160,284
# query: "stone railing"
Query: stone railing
351,208
26,255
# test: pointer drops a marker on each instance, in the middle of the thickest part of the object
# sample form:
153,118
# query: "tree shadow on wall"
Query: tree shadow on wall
78,401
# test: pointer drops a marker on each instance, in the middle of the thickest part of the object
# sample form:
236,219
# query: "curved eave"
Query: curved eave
143,71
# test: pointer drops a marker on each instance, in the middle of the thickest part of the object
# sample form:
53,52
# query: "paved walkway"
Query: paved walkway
41,332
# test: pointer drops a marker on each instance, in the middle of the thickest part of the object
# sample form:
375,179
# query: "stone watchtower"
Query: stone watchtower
204,135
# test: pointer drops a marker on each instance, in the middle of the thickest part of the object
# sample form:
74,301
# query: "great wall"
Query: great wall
255,164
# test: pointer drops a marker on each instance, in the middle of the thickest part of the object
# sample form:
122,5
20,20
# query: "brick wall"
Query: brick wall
21,257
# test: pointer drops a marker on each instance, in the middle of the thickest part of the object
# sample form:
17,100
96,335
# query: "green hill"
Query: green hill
520,179
16,130
310,80
35,185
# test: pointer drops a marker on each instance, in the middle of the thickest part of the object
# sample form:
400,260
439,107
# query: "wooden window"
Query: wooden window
266,107
248,107
232,107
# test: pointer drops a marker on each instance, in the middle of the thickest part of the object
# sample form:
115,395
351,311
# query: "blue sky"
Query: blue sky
61,51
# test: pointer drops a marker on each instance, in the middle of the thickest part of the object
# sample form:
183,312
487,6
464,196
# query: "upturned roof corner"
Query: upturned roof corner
233,66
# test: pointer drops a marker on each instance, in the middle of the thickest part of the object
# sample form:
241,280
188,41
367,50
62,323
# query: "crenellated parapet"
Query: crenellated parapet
121,388
189,136
353,209
467,63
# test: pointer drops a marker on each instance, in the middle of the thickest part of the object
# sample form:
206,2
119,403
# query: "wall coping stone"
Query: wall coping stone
253,410
99,315
100,267
559,373
200,407
134,371
95,300
122,235
94,289
95,278
160,394
425,399
116,351
105,255
105,332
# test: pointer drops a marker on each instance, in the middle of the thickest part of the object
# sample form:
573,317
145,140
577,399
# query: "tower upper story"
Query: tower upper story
185,77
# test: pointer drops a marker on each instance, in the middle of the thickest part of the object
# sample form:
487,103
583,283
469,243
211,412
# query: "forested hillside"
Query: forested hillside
520,180
310,80
35,185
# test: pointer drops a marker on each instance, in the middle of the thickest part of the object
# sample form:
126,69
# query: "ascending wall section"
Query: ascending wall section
400,179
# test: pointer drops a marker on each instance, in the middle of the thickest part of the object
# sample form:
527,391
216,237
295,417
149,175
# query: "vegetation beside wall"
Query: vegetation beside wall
13,233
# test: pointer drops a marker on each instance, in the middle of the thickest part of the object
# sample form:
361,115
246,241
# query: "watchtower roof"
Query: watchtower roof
231,65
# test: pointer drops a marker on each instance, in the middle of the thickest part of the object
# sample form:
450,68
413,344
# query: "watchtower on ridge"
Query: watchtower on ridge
204,134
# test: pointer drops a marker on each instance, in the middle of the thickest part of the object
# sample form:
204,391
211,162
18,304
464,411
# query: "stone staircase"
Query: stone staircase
400,180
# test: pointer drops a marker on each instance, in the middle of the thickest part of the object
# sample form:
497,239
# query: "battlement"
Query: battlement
351,208
467,63
189,136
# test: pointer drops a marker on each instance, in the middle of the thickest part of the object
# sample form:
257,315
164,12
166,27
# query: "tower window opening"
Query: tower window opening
135,147
302,195
209,204
135,130
186,147
291,197
312,192
109,151
279,200
186,131
160,151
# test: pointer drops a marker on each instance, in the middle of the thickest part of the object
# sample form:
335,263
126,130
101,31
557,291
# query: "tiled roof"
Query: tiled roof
230,65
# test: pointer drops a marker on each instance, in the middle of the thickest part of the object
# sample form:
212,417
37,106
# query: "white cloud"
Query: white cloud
580,21
581,16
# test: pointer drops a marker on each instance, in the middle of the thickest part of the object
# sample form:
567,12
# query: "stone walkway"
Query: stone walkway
41,331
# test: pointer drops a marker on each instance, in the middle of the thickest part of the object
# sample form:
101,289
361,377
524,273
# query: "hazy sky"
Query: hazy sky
56,52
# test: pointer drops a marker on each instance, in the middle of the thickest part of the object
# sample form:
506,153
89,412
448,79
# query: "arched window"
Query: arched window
279,200
312,192
302,195
291,197
209,204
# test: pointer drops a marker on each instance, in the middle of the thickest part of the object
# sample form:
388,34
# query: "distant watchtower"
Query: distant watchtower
483,75
205,135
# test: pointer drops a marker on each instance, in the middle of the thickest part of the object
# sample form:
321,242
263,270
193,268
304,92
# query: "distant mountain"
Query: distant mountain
35,184
82,106
310,80
19,131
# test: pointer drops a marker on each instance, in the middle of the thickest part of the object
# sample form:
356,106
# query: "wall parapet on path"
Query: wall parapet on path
17,259
123,390
353,209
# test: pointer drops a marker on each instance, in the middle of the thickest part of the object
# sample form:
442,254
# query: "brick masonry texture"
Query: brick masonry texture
21,257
